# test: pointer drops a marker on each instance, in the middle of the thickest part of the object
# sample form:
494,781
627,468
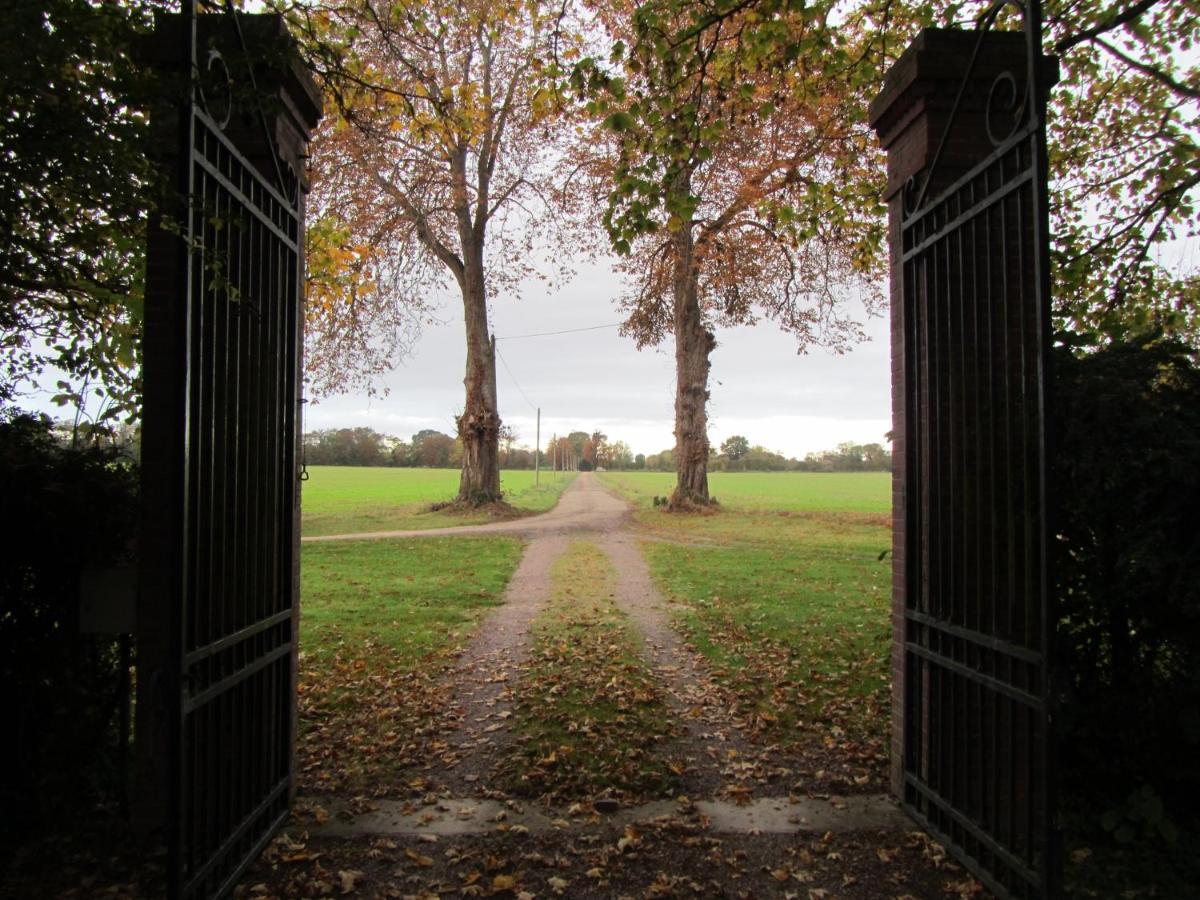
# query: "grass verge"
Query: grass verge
346,500
791,608
589,714
381,621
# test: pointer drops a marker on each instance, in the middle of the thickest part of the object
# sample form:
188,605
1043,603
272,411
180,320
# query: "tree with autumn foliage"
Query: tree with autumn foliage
1125,165
435,167
567,451
595,448
1124,152
741,184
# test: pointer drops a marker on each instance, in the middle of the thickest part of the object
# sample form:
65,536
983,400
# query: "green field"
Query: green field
862,492
410,596
347,500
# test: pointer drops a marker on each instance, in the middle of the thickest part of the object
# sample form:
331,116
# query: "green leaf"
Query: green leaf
620,122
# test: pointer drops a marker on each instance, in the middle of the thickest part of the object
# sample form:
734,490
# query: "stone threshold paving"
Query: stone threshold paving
454,816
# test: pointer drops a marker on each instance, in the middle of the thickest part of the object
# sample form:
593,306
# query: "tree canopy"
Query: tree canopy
735,447
1124,153
75,194
1125,164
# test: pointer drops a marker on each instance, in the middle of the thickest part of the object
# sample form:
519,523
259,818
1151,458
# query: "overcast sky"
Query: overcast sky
597,379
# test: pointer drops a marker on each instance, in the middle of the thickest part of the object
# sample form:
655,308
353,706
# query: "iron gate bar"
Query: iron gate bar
970,214
984,23
977,617
967,824
279,213
237,637
195,701
232,13
983,640
1031,700
185,276
230,842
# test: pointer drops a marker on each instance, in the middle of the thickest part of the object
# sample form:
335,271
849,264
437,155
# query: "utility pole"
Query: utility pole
537,452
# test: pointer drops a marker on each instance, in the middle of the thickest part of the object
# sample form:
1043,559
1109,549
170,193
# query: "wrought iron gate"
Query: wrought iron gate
234,317
977,617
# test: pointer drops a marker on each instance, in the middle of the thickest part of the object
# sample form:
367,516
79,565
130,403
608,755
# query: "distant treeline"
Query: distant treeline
737,454
427,448
434,449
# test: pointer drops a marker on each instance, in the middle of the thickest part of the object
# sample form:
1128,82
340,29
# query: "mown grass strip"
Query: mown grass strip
843,492
589,714
381,622
348,500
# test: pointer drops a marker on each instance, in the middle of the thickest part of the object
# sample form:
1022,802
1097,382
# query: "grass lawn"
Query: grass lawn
380,623
346,500
588,712
783,591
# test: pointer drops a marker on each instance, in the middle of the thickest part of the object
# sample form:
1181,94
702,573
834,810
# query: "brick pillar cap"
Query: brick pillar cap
295,83
933,65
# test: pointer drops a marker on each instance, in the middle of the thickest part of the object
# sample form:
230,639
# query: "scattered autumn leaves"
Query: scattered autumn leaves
795,630
589,714
382,627
674,856
369,719
593,728
814,713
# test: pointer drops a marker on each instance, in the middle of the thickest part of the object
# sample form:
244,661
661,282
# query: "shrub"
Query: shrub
66,510
1128,572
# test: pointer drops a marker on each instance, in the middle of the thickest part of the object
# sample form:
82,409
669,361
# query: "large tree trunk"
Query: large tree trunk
693,344
479,425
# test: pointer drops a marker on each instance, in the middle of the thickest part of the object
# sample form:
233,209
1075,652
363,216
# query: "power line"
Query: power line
532,405
513,337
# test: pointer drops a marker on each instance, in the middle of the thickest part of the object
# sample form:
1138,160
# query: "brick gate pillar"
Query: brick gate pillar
910,116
